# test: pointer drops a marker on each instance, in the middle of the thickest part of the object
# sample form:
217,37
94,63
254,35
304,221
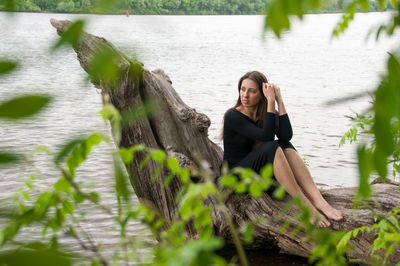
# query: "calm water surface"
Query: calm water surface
204,57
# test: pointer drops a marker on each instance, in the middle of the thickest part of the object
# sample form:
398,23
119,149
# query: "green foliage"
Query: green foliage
23,106
36,253
121,184
9,5
110,113
365,165
27,6
186,7
388,235
382,124
280,12
66,6
104,66
245,180
194,252
7,66
8,158
79,150
72,35
326,250
361,124
55,209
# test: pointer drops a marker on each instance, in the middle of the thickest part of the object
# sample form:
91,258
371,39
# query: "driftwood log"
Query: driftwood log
182,133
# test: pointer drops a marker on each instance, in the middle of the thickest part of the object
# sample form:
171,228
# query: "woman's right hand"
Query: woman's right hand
269,91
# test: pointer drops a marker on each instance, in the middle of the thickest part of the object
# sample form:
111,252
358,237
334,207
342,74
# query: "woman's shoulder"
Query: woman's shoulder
231,113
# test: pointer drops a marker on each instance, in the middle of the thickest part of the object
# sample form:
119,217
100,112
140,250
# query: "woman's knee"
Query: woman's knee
279,153
285,144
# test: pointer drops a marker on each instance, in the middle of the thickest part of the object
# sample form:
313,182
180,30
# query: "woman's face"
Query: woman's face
250,94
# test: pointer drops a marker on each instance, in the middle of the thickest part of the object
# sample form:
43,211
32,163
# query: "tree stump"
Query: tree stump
183,133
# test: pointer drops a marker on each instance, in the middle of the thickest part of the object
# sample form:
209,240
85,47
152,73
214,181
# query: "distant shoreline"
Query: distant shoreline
123,13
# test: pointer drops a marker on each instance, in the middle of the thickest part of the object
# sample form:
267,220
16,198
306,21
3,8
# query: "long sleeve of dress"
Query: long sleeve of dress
243,125
284,129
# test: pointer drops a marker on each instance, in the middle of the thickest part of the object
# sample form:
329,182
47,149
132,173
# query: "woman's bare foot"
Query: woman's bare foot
329,211
319,220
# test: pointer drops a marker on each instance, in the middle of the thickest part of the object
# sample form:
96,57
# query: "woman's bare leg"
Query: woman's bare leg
304,179
285,177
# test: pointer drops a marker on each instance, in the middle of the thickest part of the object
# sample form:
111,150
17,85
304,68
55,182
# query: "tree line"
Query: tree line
166,7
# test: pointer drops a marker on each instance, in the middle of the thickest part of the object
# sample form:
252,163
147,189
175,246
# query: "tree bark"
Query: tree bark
183,133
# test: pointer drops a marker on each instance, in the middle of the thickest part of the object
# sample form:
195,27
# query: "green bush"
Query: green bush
67,7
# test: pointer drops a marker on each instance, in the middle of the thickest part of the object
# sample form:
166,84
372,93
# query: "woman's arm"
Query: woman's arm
284,131
279,100
234,120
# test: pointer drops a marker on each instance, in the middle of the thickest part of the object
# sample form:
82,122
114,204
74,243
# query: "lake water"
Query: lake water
204,57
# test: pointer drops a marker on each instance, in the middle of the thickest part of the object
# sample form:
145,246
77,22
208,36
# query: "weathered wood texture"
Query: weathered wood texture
182,132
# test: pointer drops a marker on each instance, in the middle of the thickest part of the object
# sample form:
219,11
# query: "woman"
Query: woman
249,131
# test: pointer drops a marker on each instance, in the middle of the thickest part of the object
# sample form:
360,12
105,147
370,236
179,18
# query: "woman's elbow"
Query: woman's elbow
267,138
285,137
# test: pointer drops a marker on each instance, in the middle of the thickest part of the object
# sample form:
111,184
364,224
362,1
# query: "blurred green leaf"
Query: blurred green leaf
194,252
246,173
158,156
241,188
228,181
81,150
68,206
78,198
140,112
380,163
95,197
248,233
62,185
342,245
276,19
364,5
173,164
167,180
8,232
121,184
382,4
8,158
71,36
7,66
104,66
110,113
67,148
279,12
126,155
144,162
23,106
255,189
365,168
347,16
279,193
184,175
37,254
266,172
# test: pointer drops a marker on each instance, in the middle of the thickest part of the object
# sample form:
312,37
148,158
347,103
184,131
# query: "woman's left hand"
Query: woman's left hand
278,96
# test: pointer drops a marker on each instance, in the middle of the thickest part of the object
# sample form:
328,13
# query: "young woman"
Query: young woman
249,132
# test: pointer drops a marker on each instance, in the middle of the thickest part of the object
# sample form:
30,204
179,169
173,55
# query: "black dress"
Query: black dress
241,132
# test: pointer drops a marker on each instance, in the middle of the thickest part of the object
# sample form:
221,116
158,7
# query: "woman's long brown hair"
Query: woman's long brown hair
261,111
